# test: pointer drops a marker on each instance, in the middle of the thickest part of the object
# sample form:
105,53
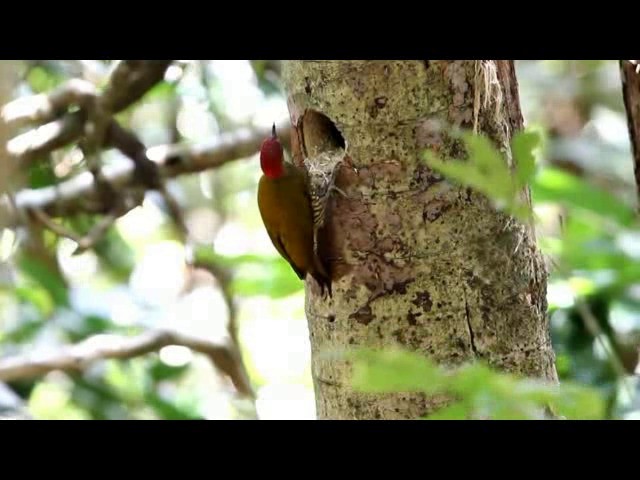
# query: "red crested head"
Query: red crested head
272,156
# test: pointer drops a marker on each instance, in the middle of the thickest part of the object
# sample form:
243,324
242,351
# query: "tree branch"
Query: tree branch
223,277
128,82
631,94
101,347
47,107
79,194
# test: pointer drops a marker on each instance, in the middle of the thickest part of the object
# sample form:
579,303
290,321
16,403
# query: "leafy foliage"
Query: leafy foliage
554,185
589,252
255,274
487,172
476,390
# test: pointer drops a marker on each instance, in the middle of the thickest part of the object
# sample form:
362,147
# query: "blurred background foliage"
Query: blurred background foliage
136,276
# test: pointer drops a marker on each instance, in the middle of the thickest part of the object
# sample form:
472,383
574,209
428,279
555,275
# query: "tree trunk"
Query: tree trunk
416,261
11,406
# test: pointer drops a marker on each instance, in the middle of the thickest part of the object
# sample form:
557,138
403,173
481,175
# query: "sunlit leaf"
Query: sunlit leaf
26,330
523,145
486,171
255,274
42,79
554,185
480,391
170,411
275,279
485,156
161,91
161,371
50,401
394,371
474,379
38,297
579,403
454,411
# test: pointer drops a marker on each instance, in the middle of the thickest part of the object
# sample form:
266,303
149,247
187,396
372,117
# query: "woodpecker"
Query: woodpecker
290,213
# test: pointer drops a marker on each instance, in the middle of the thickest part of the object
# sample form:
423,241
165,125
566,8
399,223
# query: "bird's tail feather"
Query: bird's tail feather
322,276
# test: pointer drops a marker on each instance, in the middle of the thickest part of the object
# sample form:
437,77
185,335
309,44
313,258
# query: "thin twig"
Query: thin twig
56,228
97,233
220,274
591,322
223,277
84,242
101,347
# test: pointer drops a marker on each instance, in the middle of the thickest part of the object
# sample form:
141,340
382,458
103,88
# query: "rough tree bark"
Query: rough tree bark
416,260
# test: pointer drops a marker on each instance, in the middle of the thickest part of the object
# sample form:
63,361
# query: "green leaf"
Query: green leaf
394,371
474,379
273,278
454,411
46,278
114,253
554,185
255,274
485,156
522,145
586,247
41,175
513,411
25,330
579,403
38,297
86,326
160,371
458,171
161,91
169,411
481,392
486,171
43,80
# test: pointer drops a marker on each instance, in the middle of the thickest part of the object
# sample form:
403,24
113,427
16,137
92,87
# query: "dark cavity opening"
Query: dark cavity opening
320,134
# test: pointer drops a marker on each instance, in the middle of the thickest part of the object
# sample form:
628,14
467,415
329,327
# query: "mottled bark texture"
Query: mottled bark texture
417,261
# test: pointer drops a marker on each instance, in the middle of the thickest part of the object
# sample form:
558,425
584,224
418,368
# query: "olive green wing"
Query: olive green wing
277,242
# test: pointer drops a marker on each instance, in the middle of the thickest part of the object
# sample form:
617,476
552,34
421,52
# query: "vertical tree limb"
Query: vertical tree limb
631,94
